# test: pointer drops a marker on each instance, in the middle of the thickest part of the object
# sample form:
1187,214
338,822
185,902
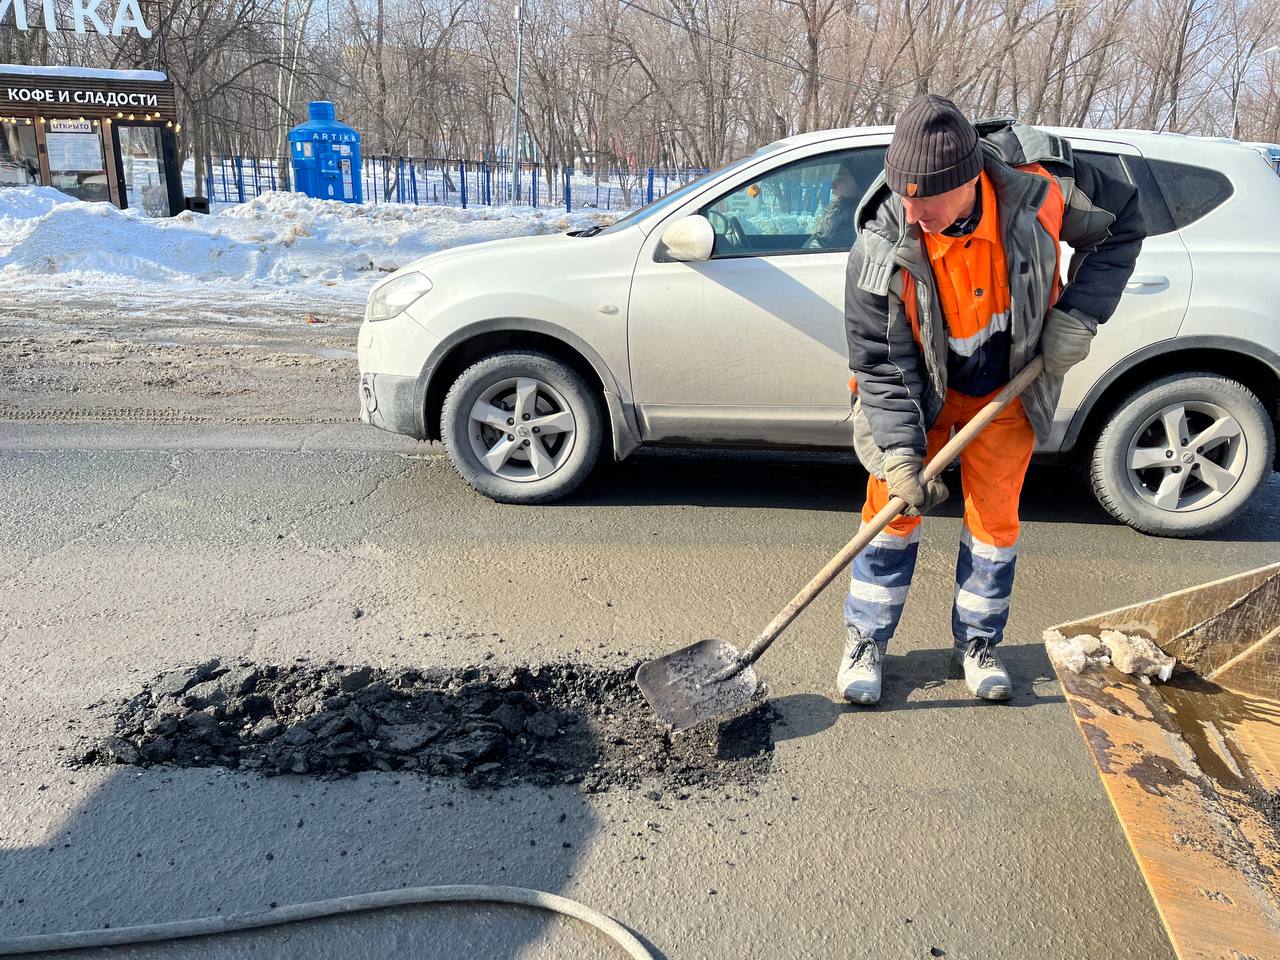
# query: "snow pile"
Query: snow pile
1129,653
277,241
19,206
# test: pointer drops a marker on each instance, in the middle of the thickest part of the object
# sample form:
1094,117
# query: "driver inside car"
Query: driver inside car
833,229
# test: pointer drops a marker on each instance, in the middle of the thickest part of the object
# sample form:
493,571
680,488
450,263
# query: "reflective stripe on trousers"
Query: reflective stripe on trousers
984,587
880,576
992,469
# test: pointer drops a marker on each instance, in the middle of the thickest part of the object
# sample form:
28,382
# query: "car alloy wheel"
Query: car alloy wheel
1187,456
1181,455
522,429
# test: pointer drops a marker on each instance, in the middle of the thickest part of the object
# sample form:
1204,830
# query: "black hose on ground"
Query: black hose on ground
318,909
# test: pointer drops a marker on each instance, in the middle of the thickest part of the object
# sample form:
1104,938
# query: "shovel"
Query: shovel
712,678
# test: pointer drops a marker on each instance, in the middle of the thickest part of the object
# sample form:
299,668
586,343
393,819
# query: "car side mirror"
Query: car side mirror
689,239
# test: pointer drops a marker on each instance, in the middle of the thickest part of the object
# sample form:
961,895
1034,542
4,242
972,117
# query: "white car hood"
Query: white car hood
552,246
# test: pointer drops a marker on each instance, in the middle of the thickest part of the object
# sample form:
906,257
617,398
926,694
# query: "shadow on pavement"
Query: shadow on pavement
930,670
175,844
806,714
730,479
803,715
834,482
820,482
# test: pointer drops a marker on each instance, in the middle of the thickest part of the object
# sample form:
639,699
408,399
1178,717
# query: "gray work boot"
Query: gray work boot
984,674
859,678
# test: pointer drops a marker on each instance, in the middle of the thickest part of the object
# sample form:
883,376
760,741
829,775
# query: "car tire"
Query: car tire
505,466
1183,489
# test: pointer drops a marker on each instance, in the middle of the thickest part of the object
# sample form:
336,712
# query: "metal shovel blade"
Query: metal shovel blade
697,683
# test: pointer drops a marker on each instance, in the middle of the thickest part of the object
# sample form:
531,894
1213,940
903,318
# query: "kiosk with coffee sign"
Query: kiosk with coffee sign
94,134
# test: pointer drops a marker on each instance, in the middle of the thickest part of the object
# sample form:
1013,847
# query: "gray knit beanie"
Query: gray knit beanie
934,149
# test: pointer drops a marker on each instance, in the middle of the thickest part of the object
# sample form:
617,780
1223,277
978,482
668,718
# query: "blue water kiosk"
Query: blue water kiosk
325,155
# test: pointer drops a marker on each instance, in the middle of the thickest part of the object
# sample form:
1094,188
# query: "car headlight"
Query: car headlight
395,296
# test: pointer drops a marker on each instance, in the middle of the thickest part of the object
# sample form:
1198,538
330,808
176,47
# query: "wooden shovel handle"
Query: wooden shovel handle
890,510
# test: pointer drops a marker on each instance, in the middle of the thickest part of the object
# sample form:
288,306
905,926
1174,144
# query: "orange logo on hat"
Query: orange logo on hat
912,189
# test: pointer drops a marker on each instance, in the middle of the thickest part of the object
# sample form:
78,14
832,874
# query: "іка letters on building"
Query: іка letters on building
108,17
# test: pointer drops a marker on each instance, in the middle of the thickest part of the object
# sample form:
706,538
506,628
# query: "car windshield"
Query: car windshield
675,196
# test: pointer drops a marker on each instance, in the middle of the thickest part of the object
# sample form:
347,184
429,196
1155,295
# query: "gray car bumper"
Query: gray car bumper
387,402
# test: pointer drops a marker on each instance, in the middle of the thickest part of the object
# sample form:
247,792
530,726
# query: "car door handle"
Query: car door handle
1148,281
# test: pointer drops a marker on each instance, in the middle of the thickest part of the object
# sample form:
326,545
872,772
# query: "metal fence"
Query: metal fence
237,179
459,183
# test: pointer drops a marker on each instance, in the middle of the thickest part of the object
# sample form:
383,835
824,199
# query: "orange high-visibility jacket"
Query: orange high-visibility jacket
894,320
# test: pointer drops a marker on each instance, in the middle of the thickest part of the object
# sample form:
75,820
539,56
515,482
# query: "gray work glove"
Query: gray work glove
1064,342
902,472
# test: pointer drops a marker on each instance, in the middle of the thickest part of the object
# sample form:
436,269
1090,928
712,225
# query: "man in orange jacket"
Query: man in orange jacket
952,287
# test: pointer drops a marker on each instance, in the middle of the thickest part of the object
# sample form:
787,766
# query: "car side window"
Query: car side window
1190,191
1155,213
804,207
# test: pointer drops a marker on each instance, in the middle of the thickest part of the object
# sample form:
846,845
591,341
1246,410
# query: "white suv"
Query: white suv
527,356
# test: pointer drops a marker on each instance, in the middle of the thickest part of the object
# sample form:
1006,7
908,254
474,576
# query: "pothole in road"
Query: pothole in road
558,723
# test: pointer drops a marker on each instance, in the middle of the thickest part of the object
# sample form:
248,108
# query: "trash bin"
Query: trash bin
325,156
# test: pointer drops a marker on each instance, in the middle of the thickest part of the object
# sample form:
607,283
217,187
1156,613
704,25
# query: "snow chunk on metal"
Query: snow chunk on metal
1133,654
1137,655
1076,654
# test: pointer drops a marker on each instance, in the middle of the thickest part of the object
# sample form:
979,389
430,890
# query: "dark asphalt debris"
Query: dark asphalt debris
1267,803
558,723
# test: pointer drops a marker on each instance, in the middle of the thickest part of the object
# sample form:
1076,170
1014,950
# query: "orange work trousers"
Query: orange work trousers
992,469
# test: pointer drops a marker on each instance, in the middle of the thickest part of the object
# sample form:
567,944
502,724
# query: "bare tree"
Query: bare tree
683,83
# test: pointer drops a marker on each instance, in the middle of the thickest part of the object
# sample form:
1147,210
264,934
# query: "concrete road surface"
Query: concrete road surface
931,826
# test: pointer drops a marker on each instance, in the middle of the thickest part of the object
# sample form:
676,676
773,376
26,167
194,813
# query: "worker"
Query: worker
953,285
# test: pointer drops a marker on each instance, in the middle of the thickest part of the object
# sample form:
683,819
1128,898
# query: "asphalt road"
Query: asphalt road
930,823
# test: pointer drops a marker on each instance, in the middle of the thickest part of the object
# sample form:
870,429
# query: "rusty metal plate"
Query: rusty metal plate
1192,767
